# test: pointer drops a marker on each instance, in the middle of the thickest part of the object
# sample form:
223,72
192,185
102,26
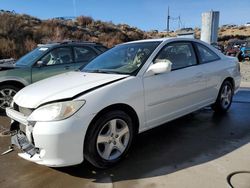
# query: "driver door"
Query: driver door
57,61
176,93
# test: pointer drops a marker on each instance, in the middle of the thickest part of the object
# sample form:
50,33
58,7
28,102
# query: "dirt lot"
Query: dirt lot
198,150
245,71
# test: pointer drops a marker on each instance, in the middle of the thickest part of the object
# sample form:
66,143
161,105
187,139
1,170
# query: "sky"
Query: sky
144,14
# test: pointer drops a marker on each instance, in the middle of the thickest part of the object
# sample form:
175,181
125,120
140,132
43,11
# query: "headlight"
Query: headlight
56,111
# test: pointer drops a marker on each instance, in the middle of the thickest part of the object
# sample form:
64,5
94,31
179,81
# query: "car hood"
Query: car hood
7,66
63,86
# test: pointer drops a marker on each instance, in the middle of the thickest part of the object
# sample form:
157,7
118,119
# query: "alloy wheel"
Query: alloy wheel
226,96
113,139
6,97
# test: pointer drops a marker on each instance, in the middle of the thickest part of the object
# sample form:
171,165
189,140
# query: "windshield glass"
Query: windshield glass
30,57
122,59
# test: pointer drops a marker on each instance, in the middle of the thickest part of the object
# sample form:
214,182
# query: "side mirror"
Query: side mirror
39,63
162,66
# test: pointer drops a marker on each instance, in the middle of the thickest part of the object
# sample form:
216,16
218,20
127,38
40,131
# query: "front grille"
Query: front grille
25,129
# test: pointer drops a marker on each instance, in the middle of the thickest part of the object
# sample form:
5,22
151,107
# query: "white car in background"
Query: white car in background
247,24
95,113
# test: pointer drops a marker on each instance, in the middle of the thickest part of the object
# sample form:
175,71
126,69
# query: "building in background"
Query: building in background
210,24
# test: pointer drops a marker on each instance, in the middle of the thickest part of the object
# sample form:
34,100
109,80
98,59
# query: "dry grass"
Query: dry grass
21,33
240,31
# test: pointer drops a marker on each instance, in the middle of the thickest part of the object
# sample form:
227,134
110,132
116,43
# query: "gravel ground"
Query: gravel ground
245,71
198,150
245,74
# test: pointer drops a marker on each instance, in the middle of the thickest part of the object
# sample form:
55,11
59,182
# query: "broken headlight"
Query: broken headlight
56,111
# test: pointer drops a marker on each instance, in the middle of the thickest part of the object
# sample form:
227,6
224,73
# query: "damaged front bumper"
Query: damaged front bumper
22,139
54,144
19,139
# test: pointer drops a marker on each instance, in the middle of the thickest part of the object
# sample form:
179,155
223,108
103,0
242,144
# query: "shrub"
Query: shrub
84,20
7,48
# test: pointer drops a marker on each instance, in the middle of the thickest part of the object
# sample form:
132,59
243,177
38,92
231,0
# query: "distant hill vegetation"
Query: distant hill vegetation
20,33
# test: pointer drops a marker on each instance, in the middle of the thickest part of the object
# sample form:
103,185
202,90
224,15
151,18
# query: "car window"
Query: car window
58,56
31,57
206,54
84,54
180,54
101,48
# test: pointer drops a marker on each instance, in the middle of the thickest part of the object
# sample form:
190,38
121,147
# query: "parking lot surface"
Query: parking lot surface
198,150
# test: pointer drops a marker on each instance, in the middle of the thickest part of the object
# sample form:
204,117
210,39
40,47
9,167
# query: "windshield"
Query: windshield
30,57
122,59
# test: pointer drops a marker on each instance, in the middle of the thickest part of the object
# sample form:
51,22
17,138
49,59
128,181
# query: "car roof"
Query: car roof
53,44
163,40
149,40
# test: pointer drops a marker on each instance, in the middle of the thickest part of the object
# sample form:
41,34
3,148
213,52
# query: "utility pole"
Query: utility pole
179,22
168,18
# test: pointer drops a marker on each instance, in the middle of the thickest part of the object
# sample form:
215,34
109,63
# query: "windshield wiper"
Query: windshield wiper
104,71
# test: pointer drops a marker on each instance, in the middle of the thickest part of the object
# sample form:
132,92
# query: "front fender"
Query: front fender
14,79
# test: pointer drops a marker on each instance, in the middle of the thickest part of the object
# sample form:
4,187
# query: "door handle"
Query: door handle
66,67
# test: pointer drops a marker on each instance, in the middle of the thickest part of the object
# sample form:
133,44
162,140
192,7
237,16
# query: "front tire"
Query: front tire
224,99
7,93
108,139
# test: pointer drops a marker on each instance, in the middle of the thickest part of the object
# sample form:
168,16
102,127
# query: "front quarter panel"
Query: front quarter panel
128,91
22,75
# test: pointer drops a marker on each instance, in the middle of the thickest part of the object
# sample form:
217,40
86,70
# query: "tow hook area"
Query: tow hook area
19,139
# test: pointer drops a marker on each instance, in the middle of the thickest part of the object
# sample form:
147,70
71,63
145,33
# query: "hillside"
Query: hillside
20,33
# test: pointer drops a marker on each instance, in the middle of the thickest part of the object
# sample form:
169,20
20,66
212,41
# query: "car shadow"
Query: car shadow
188,141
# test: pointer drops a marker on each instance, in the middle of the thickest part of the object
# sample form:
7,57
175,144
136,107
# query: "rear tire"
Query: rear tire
224,99
239,56
108,139
7,93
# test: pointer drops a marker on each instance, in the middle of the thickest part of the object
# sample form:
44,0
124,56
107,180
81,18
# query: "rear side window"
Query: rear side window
206,54
181,55
84,54
101,48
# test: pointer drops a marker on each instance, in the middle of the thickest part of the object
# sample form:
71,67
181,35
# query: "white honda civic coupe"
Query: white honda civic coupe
95,113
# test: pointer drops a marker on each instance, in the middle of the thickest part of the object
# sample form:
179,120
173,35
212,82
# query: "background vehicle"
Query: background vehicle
233,47
44,61
97,112
238,48
247,24
218,47
244,51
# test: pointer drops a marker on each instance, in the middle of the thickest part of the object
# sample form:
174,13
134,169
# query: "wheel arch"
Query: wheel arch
119,106
14,83
231,80
88,140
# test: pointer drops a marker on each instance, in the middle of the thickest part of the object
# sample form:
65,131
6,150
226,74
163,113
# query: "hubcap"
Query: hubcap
6,97
226,96
113,139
